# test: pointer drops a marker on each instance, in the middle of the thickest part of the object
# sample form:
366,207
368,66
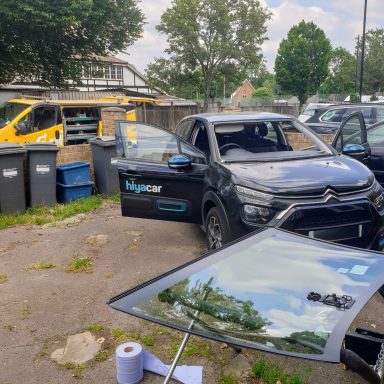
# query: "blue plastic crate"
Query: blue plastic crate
67,193
73,173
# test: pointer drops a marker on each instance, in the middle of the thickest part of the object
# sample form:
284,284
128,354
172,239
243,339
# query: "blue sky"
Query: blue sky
341,20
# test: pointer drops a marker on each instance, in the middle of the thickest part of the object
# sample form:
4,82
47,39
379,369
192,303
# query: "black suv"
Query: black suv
237,172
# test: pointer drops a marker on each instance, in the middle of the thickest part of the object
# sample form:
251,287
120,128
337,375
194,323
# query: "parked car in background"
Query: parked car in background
237,172
310,110
329,119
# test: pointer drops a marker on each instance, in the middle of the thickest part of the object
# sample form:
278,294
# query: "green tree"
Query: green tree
175,80
302,60
212,34
49,40
342,71
263,95
373,63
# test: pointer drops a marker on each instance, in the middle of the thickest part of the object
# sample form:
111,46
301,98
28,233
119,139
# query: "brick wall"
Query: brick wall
298,140
108,117
72,153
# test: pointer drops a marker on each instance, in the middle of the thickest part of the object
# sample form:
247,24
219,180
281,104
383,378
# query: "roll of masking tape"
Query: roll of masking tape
129,363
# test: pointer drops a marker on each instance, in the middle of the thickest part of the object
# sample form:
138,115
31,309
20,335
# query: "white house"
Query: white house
111,72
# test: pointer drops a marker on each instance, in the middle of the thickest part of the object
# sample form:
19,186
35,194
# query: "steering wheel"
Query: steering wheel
228,145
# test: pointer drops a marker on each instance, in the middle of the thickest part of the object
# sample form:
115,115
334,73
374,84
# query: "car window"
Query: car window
333,115
265,140
243,296
339,115
146,142
376,135
184,129
379,113
350,134
194,154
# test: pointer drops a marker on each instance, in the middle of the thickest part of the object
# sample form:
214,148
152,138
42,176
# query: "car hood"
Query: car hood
306,176
269,291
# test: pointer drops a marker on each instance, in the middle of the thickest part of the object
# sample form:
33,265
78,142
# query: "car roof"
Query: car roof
223,117
348,105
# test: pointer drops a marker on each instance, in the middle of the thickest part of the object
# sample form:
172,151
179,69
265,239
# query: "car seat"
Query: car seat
258,142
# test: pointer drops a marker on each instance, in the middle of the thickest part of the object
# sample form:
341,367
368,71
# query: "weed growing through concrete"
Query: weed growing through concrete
10,327
227,379
25,312
270,373
109,275
94,328
69,365
103,355
3,278
123,336
195,347
40,265
79,371
148,340
81,264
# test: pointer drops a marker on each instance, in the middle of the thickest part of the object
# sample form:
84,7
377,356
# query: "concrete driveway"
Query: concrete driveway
40,306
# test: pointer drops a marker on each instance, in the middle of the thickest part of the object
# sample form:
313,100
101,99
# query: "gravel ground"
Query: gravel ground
39,308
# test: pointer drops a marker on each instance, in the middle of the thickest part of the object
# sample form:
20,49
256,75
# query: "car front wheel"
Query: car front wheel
216,229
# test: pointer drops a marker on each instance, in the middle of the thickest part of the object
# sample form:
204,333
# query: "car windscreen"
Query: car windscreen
8,111
273,291
267,140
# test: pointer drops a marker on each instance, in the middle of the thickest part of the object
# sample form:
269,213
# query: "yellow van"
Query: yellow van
63,122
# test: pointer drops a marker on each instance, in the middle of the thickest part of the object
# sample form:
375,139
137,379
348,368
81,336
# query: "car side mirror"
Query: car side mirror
356,151
21,128
180,162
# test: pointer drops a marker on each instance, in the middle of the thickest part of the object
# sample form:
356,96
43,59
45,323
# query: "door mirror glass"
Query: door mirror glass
179,162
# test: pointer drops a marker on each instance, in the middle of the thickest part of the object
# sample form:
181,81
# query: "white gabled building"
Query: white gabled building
105,73
111,72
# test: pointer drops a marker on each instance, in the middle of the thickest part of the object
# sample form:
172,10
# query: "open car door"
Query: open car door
273,291
161,176
351,138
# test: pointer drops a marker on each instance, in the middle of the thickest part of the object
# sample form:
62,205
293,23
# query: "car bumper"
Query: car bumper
355,223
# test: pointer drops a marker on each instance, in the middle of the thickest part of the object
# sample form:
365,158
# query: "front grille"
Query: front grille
312,218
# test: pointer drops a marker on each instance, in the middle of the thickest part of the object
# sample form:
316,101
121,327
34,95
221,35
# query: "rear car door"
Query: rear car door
351,138
154,182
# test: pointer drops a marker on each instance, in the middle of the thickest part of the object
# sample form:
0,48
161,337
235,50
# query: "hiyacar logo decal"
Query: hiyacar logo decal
138,188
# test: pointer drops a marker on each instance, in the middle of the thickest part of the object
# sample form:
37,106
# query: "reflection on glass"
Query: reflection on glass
257,293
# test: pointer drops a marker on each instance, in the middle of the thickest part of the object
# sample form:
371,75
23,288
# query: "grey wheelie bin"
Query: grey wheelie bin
42,174
12,191
104,154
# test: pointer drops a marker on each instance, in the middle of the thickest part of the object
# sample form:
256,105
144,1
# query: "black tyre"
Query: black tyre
216,229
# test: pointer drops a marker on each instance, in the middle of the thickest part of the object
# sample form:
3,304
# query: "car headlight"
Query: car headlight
257,215
253,193
377,196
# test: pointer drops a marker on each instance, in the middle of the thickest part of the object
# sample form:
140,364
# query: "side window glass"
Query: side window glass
44,117
376,135
146,142
27,120
350,134
272,135
201,139
379,114
196,156
184,129
334,115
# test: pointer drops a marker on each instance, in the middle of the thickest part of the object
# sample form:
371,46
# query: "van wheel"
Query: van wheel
216,229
